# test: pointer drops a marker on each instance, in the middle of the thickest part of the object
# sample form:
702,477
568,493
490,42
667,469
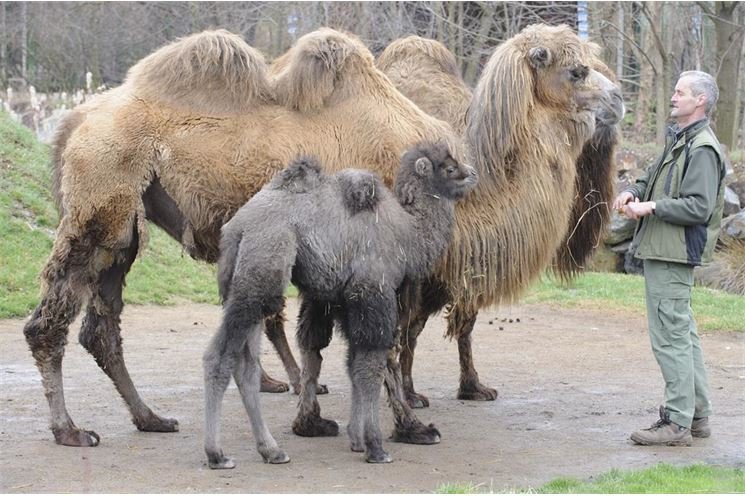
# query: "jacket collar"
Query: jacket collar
674,133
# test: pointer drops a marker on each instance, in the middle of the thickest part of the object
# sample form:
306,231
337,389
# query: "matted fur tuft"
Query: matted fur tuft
416,47
426,72
210,72
319,64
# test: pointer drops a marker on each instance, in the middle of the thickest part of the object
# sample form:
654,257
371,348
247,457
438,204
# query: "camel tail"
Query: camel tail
215,72
229,245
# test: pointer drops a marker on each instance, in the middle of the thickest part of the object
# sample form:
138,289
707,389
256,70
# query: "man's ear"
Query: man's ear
701,100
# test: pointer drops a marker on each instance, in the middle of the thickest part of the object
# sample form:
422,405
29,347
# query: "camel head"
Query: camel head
565,73
433,164
543,70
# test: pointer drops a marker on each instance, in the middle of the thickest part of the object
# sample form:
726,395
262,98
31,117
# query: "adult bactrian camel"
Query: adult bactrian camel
525,128
196,129
426,72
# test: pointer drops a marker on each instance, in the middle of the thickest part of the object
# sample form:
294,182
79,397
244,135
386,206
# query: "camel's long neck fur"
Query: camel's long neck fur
509,228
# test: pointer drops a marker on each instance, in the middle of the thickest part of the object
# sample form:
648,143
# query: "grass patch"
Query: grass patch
713,309
659,479
662,478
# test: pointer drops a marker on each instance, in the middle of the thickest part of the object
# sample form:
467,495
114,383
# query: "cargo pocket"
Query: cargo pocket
672,314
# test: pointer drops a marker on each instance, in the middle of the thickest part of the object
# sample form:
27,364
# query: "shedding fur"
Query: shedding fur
318,67
427,73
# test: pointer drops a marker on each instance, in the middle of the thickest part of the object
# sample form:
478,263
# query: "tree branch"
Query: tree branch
633,43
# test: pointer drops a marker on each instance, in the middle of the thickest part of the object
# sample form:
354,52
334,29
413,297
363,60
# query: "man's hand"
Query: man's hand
636,209
622,199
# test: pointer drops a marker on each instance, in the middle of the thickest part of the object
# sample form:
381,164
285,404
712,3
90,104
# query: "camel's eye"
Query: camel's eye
579,73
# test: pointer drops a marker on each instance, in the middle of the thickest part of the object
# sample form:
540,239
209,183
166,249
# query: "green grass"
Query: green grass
713,309
661,478
163,275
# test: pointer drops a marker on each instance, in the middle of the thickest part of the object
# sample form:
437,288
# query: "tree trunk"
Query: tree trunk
620,19
24,42
729,35
473,64
3,46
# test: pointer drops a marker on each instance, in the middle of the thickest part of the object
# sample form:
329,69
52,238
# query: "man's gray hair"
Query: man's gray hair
703,83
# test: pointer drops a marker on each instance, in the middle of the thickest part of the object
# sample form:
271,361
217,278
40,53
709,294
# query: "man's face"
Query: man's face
686,108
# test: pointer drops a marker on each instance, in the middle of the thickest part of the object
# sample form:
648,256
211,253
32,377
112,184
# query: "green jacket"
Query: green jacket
687,185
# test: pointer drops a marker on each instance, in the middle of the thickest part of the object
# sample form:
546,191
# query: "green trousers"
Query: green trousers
675,342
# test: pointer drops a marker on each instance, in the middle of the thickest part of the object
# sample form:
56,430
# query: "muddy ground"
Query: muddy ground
572,385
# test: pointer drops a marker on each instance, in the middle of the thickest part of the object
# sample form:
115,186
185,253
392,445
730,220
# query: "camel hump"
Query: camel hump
360,189
308,74
424,51
212,72
302,175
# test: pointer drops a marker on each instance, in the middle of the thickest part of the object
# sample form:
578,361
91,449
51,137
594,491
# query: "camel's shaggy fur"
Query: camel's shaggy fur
188,159
546,190
348,244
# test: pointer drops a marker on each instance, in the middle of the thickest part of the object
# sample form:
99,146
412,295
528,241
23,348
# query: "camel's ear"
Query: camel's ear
423,166
539,57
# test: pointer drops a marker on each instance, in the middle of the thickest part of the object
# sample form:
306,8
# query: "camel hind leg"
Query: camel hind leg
247,377
101,335
67,276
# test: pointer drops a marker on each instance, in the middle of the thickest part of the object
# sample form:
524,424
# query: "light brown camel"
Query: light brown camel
196,129
426,72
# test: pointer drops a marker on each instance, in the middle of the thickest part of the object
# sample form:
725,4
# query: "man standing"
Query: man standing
678,203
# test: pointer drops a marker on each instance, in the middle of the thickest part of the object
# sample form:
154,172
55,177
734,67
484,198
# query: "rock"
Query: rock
738,187
731,202
620,229
632,265
734,226
605,260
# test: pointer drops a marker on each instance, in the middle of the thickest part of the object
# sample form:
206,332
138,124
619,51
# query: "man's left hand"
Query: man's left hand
636,209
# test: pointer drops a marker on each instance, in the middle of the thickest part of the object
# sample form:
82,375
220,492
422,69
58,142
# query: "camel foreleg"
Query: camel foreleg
461,325
314,331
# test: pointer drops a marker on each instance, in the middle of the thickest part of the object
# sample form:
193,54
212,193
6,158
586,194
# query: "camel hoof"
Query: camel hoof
315,426
222,463
276,457
320,389
477,392
76,437
155,423
269,385
416,400
378,456
418,434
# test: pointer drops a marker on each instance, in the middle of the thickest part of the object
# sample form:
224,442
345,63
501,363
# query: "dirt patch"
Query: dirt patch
572,385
